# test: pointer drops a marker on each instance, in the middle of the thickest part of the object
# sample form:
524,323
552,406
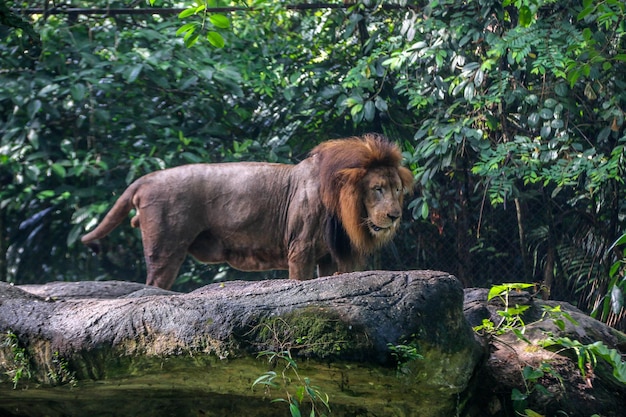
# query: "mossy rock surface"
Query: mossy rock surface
116,348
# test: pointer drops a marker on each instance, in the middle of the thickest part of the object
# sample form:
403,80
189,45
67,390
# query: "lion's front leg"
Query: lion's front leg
301,262
326,266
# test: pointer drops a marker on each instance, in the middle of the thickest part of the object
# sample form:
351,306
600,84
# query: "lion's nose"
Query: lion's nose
393,216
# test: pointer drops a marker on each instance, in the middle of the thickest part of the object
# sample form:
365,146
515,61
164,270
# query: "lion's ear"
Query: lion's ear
406,177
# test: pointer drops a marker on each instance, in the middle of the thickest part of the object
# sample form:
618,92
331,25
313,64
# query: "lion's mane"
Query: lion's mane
343,165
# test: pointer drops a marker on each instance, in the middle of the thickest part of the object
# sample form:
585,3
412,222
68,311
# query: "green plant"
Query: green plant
210,23
531,376
404,354
587,356
512,320
303,392
613,301
61,373
20,369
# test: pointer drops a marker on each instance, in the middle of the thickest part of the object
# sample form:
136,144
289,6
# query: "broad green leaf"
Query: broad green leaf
424,211
546,113
498,290
59,170
46,194
617,299
561,89
77,91
620,241
468,92
381,104
295,410
533,119
550,103
186,28
219,21
516,395
215,39
191,38
74,234
525,16
531,373
187,12
356,109
133,73
369,110
586,11
33,108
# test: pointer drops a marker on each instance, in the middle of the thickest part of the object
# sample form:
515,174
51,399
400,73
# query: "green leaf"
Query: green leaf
33,108
369,110
620,241
587,10
530,373
45,194
215,39
356,109
546,132
219,21
59,170
381,104
498,290
561,89
295,410
300,393
266,379
550,103
77,91
133,73
525,16
186,28
546,113
617,299
191,38
516,395
74,234
187,12
425,210
533,119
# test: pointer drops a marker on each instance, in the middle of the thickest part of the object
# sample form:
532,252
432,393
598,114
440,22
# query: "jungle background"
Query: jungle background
509,113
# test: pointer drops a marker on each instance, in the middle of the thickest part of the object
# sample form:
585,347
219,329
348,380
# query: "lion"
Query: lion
321,216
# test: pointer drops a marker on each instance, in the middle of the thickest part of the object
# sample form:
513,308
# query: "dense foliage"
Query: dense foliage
511,115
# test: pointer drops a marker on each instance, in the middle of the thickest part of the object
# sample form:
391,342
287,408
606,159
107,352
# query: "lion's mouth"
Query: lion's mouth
378,229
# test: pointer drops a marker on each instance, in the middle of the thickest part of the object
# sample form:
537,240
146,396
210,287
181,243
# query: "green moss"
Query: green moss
310,332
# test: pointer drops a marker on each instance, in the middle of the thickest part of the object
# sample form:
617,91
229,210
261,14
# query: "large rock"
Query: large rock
117,348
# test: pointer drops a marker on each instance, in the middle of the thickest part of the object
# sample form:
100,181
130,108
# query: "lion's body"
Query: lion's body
262,216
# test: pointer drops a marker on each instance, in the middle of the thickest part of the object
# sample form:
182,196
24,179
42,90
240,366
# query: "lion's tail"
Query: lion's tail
113,218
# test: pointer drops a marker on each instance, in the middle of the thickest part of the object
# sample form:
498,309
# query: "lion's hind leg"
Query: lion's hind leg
164,253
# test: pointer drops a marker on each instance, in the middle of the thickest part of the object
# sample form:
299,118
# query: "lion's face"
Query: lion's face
382,198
